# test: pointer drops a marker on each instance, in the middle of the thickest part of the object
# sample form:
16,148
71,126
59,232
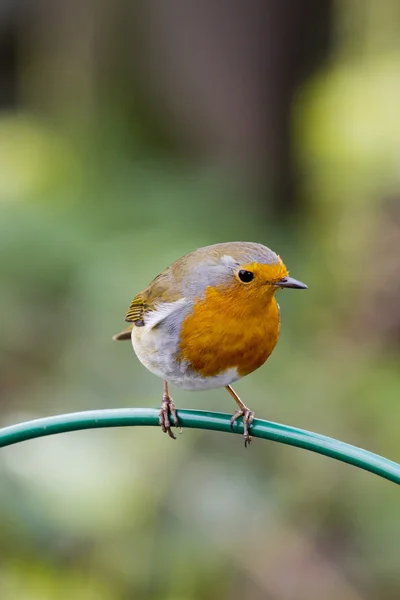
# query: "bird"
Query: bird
208,320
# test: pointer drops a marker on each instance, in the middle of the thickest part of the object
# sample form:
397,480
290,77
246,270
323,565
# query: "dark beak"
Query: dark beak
289,282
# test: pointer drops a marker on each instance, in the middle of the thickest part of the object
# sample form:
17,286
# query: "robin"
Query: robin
208,320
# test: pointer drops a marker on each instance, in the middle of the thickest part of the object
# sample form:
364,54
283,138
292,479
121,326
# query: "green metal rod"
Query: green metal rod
124,417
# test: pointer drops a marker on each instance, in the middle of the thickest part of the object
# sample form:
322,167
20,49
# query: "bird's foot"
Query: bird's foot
167,410
248,418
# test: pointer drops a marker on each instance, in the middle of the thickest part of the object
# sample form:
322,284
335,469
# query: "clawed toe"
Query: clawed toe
168,413
248,418
164,419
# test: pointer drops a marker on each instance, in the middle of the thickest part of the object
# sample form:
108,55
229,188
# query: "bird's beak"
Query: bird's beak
289,282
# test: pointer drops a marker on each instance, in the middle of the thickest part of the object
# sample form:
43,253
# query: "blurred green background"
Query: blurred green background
130,134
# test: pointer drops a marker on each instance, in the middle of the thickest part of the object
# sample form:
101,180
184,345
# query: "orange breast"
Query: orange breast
230,328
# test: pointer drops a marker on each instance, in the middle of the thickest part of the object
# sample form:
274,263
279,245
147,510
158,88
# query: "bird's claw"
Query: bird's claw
248,418
168,409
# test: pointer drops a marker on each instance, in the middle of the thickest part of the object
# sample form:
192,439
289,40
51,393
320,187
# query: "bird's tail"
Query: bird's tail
123,335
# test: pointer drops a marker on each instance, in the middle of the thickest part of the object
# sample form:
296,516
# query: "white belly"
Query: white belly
157,350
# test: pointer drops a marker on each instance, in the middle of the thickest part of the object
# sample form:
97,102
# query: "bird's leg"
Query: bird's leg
247,414
168,407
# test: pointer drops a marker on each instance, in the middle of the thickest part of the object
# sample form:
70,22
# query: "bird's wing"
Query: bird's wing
137,309
154,304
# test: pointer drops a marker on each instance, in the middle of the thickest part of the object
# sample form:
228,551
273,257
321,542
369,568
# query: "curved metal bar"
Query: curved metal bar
126,417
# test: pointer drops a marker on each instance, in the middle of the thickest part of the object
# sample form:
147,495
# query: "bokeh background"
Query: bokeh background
130,134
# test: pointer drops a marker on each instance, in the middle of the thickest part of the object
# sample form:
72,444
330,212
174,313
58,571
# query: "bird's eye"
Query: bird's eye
245,276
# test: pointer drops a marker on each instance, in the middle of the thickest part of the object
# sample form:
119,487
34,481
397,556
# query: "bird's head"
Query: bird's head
266,277
248,271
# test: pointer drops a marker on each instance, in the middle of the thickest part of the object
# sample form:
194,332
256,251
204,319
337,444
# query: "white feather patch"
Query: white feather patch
228,261
162,311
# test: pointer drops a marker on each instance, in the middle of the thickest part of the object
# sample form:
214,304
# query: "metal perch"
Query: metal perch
128,417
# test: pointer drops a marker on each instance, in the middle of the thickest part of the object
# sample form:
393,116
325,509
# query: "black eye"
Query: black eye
245,276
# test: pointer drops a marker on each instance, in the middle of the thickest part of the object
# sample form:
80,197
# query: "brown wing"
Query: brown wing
137,310
164,288
135,315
